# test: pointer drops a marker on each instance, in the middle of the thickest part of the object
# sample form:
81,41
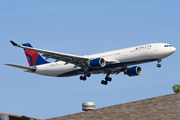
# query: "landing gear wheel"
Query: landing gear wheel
103,82
158,65
88,74
108,79
83,78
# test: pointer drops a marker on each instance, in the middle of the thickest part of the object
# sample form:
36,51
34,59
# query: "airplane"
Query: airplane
108,63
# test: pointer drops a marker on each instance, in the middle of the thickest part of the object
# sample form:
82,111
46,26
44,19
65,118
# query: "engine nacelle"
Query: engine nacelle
97,63
133,71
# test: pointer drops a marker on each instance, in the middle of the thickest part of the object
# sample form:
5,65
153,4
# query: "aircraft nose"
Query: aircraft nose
173,49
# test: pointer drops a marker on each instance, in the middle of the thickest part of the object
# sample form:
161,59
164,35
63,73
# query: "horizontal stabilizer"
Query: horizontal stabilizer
22,67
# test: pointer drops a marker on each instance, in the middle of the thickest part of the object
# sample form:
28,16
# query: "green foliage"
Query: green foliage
176,88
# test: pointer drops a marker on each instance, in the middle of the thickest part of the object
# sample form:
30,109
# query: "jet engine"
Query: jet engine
97,63
133,71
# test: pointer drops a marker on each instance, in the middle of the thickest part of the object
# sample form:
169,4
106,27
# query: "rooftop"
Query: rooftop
163,107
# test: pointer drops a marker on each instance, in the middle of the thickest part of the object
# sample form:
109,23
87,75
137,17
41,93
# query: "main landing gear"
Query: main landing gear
85,76
103,82
159,65
107,78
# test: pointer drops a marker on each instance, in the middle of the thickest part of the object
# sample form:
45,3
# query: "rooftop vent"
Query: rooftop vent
88,106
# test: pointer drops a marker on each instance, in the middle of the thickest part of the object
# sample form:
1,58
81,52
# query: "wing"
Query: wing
67,58
74,59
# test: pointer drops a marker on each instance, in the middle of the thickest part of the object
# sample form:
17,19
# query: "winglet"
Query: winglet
13,43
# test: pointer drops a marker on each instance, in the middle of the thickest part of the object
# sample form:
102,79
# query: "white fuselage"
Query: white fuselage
121,58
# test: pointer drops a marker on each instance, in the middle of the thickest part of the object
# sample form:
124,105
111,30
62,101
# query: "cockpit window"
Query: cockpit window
167,46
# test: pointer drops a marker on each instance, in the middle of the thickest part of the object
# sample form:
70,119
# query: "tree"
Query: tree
176,88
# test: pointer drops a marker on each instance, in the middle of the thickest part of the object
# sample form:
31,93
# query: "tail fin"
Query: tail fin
33,57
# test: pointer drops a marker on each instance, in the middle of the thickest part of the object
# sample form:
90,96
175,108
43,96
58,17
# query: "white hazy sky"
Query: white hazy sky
82,28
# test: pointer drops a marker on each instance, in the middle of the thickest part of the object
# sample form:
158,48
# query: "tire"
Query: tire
108,79
81,77
105,82
88,74
84,78
158,65
102,82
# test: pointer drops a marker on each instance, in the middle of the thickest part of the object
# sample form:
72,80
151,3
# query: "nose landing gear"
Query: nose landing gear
159,65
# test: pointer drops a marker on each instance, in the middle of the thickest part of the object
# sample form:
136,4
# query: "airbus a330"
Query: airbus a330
108,63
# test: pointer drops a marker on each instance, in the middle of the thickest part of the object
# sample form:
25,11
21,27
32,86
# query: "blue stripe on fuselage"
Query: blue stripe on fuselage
110,66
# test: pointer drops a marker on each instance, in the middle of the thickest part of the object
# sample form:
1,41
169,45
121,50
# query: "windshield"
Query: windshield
167,46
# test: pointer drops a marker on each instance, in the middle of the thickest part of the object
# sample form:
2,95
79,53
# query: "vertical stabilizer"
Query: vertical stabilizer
33,57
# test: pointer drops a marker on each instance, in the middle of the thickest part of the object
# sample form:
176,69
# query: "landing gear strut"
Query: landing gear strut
107,78
159,65
85,76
